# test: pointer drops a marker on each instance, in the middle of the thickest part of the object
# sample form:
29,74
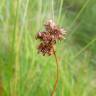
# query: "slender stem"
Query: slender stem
1,88
56,82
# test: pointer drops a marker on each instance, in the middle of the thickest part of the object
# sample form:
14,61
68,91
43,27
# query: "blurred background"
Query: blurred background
24,72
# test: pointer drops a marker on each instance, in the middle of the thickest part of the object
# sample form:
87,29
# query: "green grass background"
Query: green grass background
23,72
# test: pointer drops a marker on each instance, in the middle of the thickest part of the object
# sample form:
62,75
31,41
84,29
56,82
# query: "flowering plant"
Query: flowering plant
48,39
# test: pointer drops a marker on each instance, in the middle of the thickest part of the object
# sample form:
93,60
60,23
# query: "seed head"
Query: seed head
49,37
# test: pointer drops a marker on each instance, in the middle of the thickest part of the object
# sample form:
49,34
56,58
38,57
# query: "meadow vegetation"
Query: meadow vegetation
24,72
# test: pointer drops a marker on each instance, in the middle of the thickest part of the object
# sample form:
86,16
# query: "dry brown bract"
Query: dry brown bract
49,37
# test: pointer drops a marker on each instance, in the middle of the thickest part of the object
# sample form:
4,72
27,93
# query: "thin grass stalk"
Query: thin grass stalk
79,13
14,48
53,17
60,10
57,75
1,89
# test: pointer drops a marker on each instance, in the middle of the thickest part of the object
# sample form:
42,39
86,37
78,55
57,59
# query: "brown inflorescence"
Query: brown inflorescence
49,37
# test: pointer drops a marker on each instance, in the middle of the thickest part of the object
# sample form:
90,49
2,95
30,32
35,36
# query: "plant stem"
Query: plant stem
56,82
1,88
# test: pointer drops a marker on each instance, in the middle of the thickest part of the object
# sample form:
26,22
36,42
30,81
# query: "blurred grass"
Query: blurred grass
23,72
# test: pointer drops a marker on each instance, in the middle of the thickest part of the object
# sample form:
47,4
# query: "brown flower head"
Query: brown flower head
49,37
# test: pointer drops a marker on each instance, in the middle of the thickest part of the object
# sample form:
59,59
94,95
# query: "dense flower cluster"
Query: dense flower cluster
49,37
